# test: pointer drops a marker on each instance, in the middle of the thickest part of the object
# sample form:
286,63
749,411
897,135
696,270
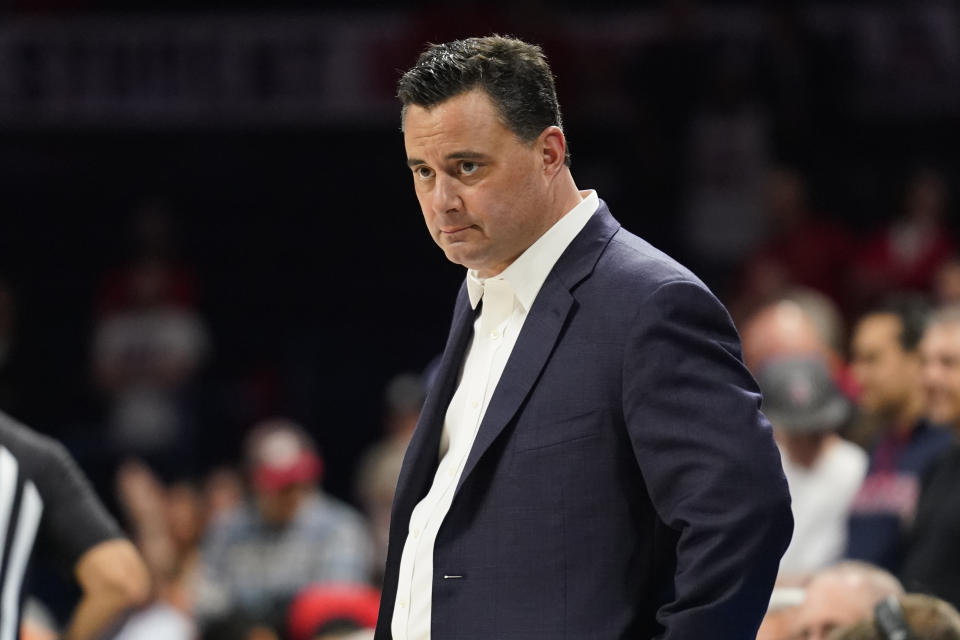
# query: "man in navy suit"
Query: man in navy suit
591,461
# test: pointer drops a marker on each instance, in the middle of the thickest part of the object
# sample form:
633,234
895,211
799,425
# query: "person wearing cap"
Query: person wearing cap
288,535
823,470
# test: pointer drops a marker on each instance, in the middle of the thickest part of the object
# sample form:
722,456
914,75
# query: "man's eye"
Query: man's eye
423,173
467,167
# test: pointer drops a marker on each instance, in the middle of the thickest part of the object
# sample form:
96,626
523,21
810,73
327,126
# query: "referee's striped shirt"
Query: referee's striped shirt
45,502
20,510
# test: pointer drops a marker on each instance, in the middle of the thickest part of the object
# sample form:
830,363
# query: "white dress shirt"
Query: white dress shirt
821,496
507,299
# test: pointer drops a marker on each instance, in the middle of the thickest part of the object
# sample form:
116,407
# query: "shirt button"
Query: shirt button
494,334
475,404
403,604
416,533
450,474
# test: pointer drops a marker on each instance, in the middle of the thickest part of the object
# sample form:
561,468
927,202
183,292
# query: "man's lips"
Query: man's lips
453,230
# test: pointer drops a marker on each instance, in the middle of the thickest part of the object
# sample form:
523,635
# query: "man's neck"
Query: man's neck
806,451
905,417
564,195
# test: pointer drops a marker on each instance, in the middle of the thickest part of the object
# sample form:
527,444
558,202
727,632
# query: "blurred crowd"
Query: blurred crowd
852,332
855,342
253,548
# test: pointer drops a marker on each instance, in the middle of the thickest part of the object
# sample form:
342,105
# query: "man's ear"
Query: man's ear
552,145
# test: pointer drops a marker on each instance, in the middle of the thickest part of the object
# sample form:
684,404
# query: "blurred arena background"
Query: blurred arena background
242,170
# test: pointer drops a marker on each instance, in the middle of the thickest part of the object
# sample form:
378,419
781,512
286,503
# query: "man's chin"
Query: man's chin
870,406
943,416
456,259
458,255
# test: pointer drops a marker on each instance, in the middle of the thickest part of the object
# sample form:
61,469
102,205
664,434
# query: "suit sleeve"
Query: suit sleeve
708,459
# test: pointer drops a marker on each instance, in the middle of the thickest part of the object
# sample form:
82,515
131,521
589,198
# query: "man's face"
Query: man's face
940,362
831,602
483,191
886,373
278,507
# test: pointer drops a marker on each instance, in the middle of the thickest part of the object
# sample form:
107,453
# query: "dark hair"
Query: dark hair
913,312
514,73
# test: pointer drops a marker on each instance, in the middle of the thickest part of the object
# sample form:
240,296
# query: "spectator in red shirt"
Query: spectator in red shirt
804,249
906,255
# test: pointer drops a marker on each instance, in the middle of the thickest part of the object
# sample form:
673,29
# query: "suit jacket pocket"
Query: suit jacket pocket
554,429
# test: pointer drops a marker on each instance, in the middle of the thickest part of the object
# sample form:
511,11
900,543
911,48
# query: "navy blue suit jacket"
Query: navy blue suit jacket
623,482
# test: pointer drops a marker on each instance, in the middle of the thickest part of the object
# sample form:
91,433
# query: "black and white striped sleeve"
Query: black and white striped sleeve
45,501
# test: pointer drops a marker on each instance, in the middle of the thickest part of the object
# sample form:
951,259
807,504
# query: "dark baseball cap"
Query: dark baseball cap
799,395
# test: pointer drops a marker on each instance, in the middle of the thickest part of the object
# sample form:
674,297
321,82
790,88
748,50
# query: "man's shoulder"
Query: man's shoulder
636,269
322,510
946,471
17,436
33,451
930,439
639,258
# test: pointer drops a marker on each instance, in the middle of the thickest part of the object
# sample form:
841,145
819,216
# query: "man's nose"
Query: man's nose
446,195
822,633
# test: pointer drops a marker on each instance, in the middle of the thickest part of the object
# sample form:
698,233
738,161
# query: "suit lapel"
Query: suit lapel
540,332
420,460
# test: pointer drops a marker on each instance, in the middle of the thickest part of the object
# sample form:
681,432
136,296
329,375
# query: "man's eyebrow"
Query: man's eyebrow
456,155
466,155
